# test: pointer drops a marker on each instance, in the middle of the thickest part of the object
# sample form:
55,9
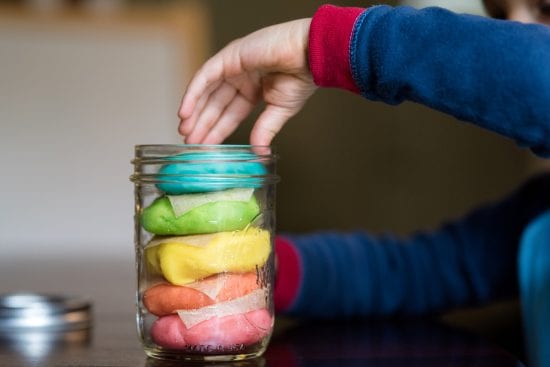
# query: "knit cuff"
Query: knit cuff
329,45
288,274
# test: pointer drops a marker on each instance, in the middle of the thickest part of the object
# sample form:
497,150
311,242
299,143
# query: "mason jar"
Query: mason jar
204,229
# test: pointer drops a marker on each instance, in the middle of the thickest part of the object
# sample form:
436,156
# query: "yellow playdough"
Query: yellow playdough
183,260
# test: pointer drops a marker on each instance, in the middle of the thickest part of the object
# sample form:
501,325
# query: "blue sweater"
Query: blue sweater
493,73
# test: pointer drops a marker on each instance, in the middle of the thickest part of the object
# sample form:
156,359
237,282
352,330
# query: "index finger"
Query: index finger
203,82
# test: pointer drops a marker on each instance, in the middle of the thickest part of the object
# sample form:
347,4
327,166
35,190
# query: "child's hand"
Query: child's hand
270,65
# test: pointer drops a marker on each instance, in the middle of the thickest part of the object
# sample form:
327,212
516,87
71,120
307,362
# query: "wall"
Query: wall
77,91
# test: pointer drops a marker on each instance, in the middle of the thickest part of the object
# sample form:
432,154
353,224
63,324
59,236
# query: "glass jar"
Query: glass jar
204,227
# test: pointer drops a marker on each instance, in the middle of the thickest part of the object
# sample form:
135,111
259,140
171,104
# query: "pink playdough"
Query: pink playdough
225,332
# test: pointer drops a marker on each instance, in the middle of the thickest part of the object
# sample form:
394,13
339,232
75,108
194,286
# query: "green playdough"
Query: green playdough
219,216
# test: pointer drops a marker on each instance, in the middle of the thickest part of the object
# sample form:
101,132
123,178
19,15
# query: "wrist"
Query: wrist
330,35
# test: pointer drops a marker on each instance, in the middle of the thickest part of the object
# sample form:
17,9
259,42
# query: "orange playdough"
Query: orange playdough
165,299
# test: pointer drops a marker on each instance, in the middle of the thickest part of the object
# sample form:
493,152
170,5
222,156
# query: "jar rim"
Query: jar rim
205,145
158,155
151,152
263,150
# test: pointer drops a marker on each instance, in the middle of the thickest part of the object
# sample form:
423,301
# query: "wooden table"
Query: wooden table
112,342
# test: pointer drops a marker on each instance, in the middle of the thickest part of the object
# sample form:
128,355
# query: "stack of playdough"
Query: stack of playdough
204,264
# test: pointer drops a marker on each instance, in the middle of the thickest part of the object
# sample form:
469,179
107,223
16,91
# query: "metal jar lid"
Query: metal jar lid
44,311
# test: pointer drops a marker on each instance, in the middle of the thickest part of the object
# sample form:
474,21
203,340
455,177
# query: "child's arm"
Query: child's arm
467,262
490,72
493,73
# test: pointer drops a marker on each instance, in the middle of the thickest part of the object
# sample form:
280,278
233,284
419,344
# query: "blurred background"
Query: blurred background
82,82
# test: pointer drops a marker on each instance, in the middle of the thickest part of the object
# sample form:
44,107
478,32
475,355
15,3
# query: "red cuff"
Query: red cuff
288,274
329,43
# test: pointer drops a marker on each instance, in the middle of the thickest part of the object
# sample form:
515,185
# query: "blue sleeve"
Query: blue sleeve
469,262
493,73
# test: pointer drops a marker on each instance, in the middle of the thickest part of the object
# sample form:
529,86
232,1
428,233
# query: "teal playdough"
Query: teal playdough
210,171
219,216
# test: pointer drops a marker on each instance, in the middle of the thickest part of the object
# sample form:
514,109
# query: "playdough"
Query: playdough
204,274
219,216
184,260
225,332
166,299
210,171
